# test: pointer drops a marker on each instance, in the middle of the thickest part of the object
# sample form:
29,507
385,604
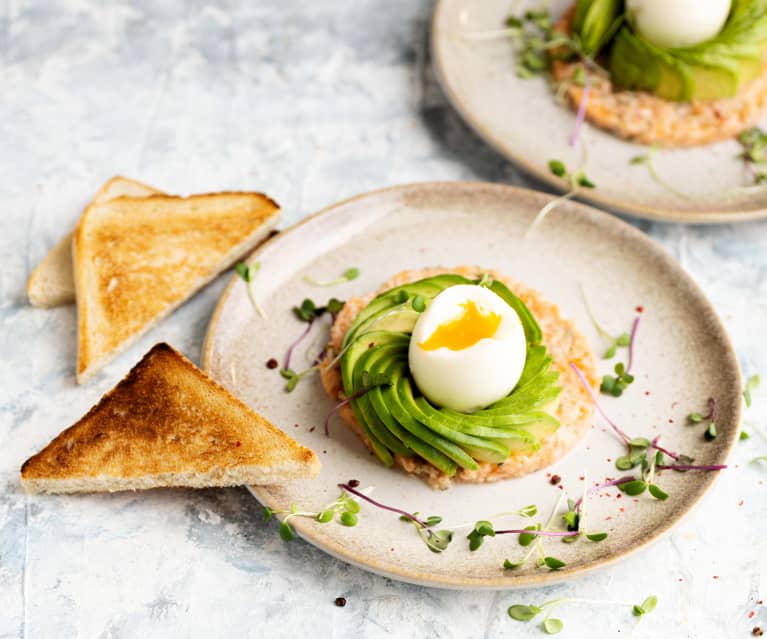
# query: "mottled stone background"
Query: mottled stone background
312,102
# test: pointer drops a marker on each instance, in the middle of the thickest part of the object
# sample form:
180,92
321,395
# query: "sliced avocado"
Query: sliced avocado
374,361
417,445
412,425
428,288
478,448
400,318
638,65
358,348
596,23
533,332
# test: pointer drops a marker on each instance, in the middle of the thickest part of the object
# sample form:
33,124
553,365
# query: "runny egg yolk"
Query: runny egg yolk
463,331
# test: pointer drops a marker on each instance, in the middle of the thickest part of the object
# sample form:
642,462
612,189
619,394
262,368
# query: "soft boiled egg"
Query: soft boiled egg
677,23
468,348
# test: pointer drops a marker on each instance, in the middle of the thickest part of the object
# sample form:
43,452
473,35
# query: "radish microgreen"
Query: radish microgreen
551,625
344,510
248,274
696,418
348,275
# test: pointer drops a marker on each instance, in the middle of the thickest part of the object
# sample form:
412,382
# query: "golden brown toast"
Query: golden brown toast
138,259
167,424
52,282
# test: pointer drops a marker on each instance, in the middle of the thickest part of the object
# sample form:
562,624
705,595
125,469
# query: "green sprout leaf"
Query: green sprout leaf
508,565
600,536
243,270
268,513
557,167
553,626
325,516
348,275
286,532
695,418
525,539
552,563
656,492
348,519
633,488
418,304
521,612
744,435
710,434
528,511
648,605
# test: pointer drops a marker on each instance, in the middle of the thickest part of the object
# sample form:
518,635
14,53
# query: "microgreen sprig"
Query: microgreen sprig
344,509
551,625
696,418
648,160
576,180
248,274
348,275
619,341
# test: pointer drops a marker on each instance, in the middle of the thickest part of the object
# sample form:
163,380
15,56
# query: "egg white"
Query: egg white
677,23
471,378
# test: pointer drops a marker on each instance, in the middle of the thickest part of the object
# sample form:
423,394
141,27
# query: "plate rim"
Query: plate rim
667,215
415,576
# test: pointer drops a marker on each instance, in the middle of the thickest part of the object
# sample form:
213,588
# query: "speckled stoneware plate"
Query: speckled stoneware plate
683,356
523,121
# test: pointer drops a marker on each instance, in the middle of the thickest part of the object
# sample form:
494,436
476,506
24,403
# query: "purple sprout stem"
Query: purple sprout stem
581,115
542,533
626,439
634,328
665,451
378,504
598,487
292,347
692,467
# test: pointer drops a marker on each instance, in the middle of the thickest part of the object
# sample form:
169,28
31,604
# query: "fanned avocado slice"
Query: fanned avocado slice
428,288
418,446
477,447
374,361
411,424
595,22
533,332
361,346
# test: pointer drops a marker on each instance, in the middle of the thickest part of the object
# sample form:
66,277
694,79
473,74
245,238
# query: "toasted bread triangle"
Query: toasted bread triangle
52,282
167,424
137,259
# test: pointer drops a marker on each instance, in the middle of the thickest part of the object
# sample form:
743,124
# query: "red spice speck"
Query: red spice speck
680,579
371,345
716,576
561,487
670,421
757,631
760,602
272,363
623,510
555,479
751,614
238,443
581,478
639,309
740,503
295,425
618,496
608,518
354,483
340,602
324,452
608,459
647,393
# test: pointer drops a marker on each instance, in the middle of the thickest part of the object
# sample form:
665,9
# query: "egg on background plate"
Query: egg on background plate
677,23
468,348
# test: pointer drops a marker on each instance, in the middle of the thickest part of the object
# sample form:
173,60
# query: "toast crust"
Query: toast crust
564,343
645,118
137,260
167,424
52,282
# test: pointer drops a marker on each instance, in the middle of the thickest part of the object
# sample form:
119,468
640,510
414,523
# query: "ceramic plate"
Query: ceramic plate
522,120
683,356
